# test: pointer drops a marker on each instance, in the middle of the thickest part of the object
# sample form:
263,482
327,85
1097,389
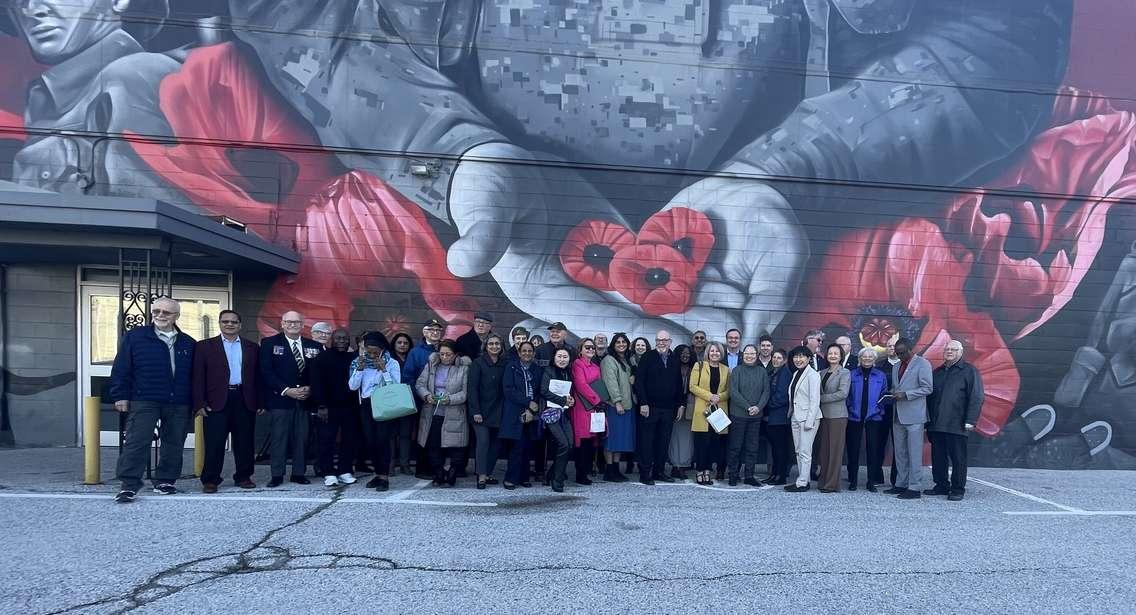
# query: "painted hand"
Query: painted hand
751,275
510,226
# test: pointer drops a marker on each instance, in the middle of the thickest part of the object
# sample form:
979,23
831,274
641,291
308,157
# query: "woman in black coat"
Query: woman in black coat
486,393
520,413
559,428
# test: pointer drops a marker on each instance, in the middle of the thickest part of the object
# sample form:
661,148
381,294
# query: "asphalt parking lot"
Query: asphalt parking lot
1023,541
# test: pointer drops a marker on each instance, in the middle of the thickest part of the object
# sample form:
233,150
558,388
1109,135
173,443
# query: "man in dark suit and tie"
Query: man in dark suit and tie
662,398
284,374
226,392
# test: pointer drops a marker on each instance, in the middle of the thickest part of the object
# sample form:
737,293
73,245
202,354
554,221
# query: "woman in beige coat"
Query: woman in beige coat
834,384
442,425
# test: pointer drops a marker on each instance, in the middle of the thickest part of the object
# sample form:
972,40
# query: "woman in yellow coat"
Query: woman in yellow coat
709,383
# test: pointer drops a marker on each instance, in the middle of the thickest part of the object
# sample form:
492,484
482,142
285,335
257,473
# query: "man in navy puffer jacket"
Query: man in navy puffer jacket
150,381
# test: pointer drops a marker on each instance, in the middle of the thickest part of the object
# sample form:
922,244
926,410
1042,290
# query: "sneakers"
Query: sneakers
347,479
125,496
165,489
330,481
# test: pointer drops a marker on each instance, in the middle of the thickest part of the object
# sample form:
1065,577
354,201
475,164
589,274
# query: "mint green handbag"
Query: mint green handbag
391,402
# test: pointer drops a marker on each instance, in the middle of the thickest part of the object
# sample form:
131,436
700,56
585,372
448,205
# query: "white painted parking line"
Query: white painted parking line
422,502
1033,498
706,487
403,499
406,493
1073,513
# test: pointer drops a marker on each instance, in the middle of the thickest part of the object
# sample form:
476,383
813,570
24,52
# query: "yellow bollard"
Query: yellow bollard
198,445
91,441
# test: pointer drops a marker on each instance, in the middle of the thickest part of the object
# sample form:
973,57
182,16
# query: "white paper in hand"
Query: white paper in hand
598,422
561,388
718,420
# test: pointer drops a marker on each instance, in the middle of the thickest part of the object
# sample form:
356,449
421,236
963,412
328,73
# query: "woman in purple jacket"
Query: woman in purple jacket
866,420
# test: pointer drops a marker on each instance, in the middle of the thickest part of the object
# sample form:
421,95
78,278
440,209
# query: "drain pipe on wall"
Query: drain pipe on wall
6,436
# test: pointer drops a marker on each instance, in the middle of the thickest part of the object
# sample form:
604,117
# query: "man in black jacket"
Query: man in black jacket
659,388
284,373
469,343
557,339
952,409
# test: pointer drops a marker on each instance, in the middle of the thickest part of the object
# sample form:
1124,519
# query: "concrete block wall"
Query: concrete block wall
42,329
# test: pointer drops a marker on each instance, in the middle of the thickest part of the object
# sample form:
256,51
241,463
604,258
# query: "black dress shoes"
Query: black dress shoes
664,478
647,481
276,481
872,488
955,497
751,481
909,494
894,491
795,488
937,491
300,480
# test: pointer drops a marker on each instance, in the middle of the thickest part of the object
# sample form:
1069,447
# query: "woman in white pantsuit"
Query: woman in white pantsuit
804,414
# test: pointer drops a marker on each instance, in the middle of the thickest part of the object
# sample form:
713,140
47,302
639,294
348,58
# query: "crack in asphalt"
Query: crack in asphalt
262,557
259,557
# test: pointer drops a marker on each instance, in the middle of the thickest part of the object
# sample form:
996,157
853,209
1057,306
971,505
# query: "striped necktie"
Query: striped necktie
298,356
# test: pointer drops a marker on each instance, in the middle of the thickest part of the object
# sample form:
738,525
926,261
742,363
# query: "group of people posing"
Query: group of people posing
712,409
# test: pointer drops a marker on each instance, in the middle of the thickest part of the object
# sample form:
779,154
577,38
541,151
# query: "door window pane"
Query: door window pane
199,318
104,329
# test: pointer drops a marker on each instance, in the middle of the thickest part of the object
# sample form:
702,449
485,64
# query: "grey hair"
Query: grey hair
868,351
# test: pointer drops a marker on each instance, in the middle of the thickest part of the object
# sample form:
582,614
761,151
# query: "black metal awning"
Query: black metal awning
48,227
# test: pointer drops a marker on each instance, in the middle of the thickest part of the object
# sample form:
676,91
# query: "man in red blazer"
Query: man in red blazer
226,392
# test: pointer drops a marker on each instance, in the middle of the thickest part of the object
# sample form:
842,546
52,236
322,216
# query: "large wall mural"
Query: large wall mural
933,168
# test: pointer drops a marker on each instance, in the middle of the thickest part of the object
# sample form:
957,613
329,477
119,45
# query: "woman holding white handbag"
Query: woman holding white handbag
709,383
374,368
804,413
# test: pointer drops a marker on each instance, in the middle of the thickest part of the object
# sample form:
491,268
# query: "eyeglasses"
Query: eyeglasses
157,312
293,322
659,340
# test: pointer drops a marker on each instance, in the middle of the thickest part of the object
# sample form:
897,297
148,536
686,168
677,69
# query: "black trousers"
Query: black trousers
780,438
705,449
405,429
236,422
438,454
745,433
654,434
873,434
948,450
363,439
559,437
337,457
585,455
379,435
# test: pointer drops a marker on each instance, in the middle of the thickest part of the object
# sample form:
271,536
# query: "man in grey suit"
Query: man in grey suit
913,383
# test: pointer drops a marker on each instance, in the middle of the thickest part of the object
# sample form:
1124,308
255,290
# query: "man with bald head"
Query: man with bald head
662,395
150,383
285,374
953,408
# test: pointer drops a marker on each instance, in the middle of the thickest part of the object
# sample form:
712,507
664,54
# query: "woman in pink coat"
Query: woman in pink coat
585,373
